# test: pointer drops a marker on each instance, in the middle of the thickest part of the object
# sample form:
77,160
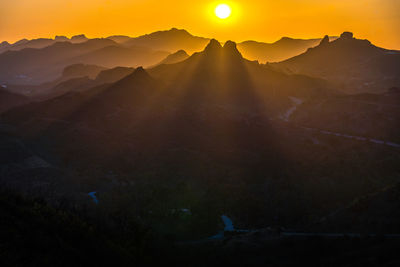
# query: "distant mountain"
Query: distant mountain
354,65
61,38
171,41
40,42
80,70
280,50
4,46
35,66
116,55
177,39
114,74
176,57
35,43
119,38
79,38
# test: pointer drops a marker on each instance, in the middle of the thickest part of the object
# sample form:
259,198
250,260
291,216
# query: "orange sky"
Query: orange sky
262,20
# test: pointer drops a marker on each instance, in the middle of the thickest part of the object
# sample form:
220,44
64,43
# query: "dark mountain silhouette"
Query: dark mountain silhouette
176,39
61,38
176,57
79,38
353,65
223,70
280,50
4,46
171,41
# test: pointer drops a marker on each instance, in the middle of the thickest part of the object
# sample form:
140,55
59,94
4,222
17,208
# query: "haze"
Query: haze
260,20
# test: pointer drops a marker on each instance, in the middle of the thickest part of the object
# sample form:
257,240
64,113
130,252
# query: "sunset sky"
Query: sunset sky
262,20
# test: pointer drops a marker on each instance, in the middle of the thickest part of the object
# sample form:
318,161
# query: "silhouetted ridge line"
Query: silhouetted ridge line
324,41
212,46
139,74
231,48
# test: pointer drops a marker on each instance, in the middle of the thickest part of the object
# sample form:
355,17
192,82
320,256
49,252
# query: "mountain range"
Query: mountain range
353,65
174,135
146,50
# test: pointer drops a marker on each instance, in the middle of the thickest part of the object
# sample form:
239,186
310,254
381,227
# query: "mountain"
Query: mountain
80,70
205,133
61,38
81,38
368,116
36,66
35,43
40,42
9,100
354,65
282,49
176,57
171,41
4,46
223,70
119,38
118,56
74,78
216,87
113,75
178,39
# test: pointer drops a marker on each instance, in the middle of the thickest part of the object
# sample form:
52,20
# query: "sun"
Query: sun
223,11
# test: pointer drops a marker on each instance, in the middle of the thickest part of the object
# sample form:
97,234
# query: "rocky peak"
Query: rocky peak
79,38
346,36
61,38
213,45
324,41
231,48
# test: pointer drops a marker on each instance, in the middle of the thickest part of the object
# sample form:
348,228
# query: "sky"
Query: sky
261,20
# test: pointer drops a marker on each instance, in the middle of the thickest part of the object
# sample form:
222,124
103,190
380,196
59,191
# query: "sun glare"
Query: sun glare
223,11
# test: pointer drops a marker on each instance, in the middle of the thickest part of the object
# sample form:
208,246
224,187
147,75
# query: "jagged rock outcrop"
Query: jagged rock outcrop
346,35
324,41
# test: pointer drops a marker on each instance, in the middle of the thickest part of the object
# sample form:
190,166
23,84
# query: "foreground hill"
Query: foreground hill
356,66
